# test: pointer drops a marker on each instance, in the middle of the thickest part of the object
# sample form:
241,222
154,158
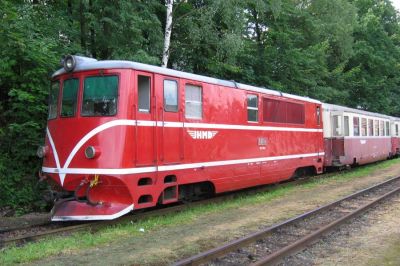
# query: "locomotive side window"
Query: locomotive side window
143,94
274,111
363,127
387,129
193,101
370,127
346,126
381,128
397,129
284,112
170,95
100,95
69,97
356,126
294,113
252,108
53,99
318,110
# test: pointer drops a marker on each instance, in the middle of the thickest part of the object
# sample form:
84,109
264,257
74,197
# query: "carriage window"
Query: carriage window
387,129
144,94
252,108
381,128
376,128
356,126
53,99
346,126
363,126
319,115
70,91
193,102
170,95
370,127
337,125
100,95
397,129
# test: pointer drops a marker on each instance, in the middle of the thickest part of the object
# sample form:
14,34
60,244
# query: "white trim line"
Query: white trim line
367,137
245,127
53,147
94,132
151,169
93,217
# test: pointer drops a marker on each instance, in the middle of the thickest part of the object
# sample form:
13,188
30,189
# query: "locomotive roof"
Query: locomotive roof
86,63
333,107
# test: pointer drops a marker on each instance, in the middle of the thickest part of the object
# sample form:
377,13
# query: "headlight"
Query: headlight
90,152
69,63
41,151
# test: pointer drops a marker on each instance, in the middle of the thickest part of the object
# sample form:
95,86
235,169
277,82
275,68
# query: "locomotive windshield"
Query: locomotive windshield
100,95
53,99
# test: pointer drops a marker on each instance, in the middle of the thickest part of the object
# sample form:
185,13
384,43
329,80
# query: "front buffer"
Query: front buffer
93,197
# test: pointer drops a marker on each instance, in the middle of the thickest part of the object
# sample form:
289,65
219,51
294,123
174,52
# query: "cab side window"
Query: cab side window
143,94
170,95
69,97
53,99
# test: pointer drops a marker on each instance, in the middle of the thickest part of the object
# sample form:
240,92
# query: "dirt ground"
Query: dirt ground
166,245
25,220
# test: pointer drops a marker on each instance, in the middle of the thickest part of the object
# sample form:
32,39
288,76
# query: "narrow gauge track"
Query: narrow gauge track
31,233
272,244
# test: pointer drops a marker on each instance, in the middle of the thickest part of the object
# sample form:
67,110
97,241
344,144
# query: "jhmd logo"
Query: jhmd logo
202,134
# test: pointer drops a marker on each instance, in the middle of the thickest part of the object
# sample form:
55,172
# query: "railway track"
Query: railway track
274,243
20,236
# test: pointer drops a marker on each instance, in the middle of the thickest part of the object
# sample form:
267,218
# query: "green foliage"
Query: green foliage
343,51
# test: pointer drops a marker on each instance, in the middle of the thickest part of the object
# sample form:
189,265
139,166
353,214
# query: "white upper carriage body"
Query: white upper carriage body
345,122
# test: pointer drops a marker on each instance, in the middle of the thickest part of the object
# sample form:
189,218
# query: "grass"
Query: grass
83,240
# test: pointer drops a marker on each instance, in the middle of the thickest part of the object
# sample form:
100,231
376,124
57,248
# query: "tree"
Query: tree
168,29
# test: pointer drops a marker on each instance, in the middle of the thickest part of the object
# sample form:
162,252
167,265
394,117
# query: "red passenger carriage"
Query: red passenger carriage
123,135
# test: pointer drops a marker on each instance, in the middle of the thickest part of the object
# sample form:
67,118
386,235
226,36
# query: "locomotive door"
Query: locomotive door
170,115
144,115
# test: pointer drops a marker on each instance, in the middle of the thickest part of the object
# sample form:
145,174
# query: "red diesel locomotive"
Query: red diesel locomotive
123,135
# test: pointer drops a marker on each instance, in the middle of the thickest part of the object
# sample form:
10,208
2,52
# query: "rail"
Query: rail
232,247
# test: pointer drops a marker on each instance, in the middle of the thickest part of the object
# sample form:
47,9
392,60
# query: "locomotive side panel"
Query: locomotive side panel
222,146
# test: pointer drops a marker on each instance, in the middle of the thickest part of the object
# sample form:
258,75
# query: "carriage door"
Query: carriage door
144,114
337,135
170,115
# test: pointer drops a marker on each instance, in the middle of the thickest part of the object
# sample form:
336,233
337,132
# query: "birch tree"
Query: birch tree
168,29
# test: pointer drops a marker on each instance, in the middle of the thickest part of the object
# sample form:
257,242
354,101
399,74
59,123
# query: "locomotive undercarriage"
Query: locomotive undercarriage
197,191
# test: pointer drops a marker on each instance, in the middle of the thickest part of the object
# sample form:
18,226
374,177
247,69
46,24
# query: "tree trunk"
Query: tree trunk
168,30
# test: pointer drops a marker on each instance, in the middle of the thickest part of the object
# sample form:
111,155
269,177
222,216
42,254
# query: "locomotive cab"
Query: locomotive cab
85,143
